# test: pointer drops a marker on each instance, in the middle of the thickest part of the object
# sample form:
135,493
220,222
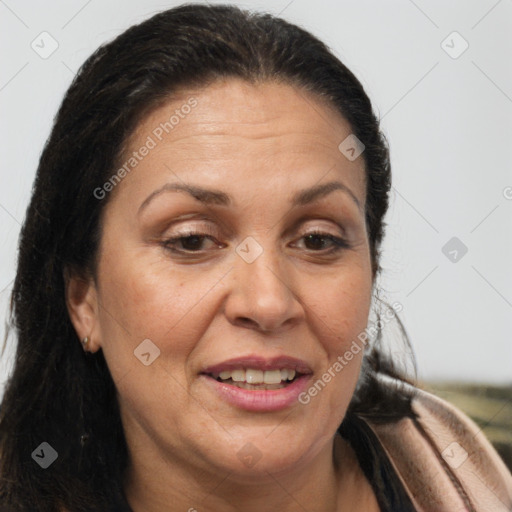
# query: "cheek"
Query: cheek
146,298
342,305
143,302
341,308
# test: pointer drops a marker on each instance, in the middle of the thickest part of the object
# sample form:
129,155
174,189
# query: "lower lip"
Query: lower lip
259,400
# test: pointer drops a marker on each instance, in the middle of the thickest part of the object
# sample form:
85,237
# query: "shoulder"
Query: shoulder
444,460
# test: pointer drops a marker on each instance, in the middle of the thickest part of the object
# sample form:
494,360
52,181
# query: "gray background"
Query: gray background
448,120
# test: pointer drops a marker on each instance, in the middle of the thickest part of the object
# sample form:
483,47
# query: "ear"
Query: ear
82,305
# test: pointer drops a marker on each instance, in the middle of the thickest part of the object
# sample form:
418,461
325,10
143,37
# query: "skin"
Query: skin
260,144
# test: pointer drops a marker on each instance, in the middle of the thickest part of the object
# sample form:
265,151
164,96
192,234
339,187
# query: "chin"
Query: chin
258,454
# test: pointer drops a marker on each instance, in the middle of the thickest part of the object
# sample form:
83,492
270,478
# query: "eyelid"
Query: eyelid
318,220
206,229
209,227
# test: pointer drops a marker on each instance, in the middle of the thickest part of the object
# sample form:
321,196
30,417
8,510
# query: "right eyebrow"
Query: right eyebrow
206,196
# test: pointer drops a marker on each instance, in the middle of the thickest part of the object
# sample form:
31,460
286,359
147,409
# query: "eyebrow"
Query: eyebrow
216,197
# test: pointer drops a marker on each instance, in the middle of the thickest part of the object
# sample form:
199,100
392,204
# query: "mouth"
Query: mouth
258,384
255,379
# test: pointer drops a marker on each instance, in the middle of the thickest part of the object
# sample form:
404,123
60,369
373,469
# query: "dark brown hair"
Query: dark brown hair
60,395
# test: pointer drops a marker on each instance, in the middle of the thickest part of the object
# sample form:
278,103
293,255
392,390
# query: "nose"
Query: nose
263,295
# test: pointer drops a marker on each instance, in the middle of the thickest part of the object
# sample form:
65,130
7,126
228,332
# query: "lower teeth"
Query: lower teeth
245,385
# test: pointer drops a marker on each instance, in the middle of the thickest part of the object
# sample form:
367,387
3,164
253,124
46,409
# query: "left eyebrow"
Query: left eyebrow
309,195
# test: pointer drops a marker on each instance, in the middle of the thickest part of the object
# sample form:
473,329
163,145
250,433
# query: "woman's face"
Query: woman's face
255,173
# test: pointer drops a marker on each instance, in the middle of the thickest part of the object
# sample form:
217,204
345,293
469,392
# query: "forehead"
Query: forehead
235,100
231,128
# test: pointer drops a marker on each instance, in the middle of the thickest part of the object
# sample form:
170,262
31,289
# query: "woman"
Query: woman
194,285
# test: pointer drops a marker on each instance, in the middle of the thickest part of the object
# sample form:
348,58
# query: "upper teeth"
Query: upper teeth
258,376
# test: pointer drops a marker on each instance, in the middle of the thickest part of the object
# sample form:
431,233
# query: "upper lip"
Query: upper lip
260,363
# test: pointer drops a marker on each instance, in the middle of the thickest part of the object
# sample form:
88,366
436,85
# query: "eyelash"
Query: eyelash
338,243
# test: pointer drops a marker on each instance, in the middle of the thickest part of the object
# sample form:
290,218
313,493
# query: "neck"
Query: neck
325,484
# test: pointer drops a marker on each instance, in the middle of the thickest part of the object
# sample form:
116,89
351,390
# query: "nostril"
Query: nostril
247,322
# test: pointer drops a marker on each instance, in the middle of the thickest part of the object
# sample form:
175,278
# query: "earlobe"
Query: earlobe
81,302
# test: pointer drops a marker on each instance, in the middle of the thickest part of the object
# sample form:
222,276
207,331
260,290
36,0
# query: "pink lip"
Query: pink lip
260,363
259,400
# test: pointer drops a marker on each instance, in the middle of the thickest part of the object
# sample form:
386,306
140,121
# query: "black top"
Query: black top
388,488
389,491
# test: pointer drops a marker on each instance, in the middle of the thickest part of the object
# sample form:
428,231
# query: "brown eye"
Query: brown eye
189,242
192,241
318,241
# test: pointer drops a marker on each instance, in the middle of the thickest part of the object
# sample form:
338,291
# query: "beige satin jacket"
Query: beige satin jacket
445,461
